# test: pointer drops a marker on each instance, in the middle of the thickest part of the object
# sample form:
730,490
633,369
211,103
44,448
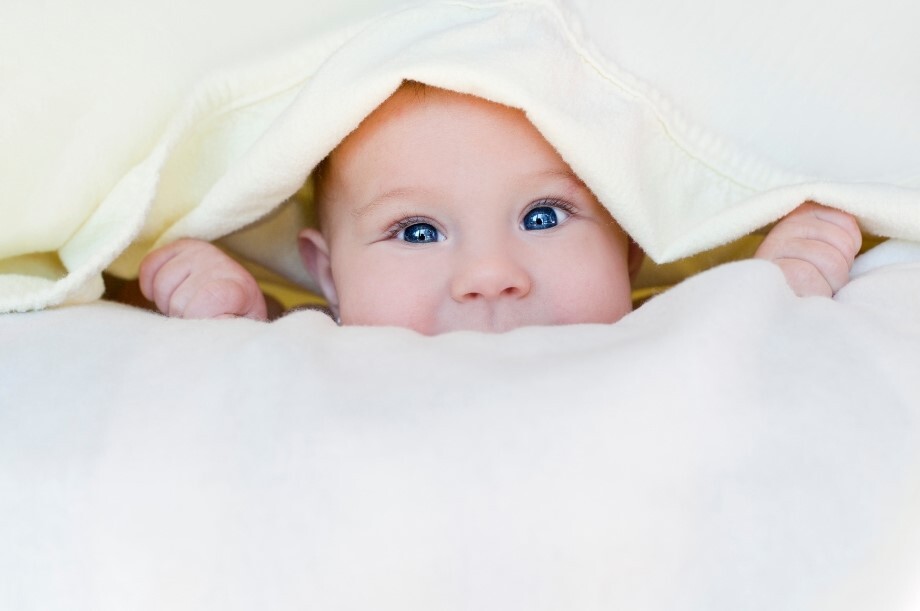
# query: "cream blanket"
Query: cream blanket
727,446
127,128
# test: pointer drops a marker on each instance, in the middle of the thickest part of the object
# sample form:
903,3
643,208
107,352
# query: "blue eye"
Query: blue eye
542,217
420,233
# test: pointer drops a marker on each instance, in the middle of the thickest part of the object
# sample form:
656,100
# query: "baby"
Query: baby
443,211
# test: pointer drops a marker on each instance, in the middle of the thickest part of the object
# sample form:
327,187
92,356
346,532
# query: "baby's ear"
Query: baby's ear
314,253
634,258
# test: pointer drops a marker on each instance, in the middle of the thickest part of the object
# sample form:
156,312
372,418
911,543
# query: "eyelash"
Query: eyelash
408,221
551,202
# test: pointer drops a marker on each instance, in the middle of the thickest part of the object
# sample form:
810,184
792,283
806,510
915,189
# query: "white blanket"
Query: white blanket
694,125
727,446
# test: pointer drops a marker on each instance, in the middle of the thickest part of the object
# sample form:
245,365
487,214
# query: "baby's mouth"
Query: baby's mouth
491,320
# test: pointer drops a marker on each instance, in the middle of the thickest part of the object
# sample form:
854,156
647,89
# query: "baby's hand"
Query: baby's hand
815,246
194,279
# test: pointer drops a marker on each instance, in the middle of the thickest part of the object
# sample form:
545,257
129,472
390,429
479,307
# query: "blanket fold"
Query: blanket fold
726,446
247,135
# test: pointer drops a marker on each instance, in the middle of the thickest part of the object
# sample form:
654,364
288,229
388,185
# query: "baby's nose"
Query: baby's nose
497,276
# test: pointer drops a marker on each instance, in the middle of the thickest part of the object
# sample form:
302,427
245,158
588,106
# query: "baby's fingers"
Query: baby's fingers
156,278
835,227
168,280
812,221
815,246
221,298
814,268
195,279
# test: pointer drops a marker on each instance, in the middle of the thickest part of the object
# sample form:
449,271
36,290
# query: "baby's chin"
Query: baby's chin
498,324
485,320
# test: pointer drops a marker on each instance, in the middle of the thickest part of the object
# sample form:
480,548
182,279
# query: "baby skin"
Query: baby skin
446,212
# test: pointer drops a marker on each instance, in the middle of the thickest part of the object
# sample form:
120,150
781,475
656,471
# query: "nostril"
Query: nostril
489,281
509,292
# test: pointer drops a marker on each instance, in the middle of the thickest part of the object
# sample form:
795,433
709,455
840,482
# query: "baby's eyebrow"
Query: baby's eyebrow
403,192
564,173
397,193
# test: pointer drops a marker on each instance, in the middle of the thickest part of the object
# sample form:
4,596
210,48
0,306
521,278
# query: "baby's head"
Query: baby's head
443,211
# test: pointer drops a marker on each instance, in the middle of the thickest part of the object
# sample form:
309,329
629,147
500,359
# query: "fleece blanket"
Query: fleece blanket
726,446
693,124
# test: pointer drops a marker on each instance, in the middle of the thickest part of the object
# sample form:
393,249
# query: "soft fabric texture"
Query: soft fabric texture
693,124
727,446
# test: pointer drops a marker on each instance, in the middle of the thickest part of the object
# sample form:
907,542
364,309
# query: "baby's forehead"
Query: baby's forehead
418,125
402,112
398,107
393,111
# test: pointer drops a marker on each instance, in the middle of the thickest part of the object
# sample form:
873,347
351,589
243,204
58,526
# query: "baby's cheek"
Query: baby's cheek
598,290
385,295
391,313
597,306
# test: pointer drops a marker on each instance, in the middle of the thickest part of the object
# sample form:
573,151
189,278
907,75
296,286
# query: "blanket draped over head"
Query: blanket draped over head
123,130
727,446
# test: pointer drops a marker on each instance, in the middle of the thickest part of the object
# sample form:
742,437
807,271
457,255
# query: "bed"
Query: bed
727,445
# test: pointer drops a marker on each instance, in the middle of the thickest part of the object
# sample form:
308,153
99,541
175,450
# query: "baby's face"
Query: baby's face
446,212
